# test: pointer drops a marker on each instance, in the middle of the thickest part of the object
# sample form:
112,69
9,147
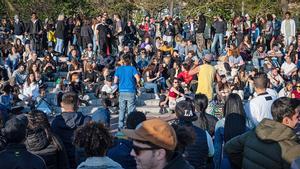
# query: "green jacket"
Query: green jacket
271,145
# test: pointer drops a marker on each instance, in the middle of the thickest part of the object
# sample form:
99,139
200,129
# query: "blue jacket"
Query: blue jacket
120,152
197,153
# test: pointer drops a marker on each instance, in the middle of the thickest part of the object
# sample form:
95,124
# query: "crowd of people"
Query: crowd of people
248,66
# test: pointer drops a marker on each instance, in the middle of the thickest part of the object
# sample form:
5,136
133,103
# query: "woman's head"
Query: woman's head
234,104
175,82
94,138
31,78
201,103
37,119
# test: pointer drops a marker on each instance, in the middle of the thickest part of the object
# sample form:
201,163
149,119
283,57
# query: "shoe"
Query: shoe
156,97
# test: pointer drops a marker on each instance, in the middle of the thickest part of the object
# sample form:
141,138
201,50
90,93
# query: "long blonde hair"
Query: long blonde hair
61,17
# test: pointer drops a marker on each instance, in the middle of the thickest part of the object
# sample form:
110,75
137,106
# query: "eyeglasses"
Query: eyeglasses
297,86
175,82
137,150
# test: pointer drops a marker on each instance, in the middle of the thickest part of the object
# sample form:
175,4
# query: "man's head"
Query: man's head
287,15
260,81
15,130
134,119
286,111
126,59
154,142
69,102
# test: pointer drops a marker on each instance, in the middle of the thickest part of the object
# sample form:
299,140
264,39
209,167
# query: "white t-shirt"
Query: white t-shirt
259,108
287,68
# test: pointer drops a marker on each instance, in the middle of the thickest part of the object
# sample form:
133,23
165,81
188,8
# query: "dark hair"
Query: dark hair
234,104
36,119
185,137
269,17
70,98
126,58
235,124
94,138
261,80
15,130
201,103
288,13
186,66
134,119
284,107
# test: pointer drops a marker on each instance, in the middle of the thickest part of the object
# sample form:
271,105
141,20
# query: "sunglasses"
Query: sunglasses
175,82
137,150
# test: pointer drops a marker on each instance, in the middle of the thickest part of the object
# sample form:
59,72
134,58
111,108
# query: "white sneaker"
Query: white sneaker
156,97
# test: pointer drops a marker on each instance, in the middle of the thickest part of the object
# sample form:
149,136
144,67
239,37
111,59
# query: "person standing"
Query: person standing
35,30
206,76
104,37
19,28
220,29
119,31
288,29
200,32
128,78
60,33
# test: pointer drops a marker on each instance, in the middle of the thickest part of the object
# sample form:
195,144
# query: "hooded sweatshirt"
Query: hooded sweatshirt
64,126
270,145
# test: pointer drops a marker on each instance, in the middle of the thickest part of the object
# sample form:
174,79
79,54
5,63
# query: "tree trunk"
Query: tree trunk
284,5
171,7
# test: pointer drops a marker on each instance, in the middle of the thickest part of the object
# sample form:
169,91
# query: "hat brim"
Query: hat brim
133,135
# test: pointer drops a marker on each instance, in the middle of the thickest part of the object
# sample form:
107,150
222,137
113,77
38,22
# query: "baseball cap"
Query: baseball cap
90,45
208,57
185,111
155,131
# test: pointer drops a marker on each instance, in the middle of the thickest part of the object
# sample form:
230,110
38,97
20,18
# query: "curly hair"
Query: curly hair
94,138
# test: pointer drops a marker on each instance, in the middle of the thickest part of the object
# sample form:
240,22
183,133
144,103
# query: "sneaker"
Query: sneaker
156,97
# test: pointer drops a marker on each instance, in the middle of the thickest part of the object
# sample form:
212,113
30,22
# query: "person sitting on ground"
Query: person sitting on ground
287,90
296,91
288,68
154,142
102,115
95,139
273,142
173,94
20,74
15,155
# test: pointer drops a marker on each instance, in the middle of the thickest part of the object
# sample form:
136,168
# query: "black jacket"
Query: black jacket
64,126
178,162
15,156
60,31
53,152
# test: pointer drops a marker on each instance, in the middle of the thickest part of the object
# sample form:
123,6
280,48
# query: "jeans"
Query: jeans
218,37
258,63
153,86
59,45
125,99
120,45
